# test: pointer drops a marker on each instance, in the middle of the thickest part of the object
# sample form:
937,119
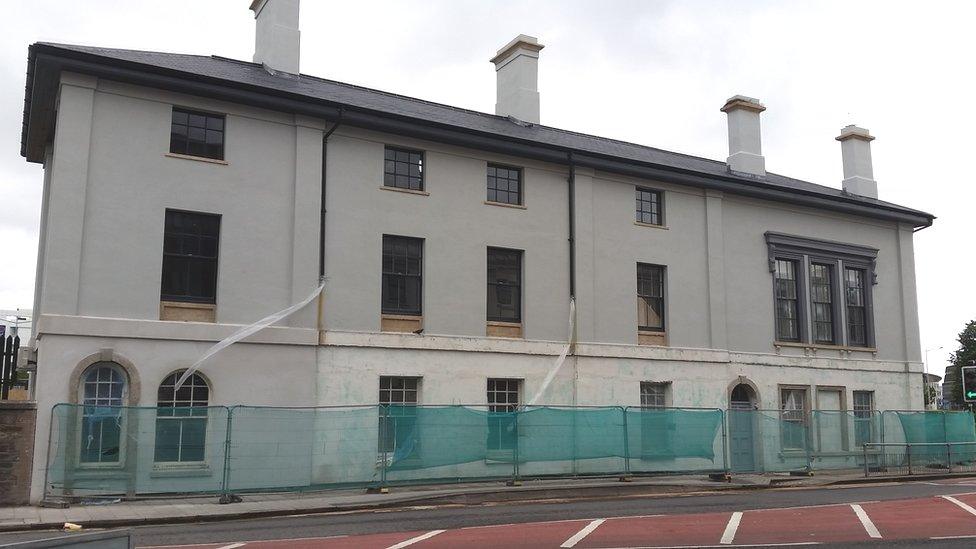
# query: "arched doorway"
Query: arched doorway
743,402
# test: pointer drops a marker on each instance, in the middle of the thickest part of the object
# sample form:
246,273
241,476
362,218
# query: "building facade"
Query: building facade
461,253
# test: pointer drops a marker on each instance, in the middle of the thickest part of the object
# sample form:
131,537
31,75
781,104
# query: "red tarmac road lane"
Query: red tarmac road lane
834,523
921,518
528,536
663,530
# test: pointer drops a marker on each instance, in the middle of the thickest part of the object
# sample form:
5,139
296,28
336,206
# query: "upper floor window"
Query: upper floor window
504,185
181,419
190,246
854,290
197,134
403,169
821,299
650,297
504,285
787,301
821,290
650,206
402,275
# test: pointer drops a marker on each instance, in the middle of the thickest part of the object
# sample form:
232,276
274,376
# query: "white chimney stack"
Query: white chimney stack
517,72
277,39
855,147
745,135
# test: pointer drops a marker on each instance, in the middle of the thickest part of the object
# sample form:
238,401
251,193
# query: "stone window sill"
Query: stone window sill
815,347
504,205
186,311
651,225
511,330
652,338
401,323
197,158
407,191
176,470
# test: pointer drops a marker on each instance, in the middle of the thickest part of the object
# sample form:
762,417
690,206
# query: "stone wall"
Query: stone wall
17,421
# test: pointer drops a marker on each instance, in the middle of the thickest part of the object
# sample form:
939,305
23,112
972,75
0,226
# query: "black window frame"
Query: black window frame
397,172
823,300
643,297
850,291
779,298
494,177
515,287
172,259
646,199
180,141
839,257
391,272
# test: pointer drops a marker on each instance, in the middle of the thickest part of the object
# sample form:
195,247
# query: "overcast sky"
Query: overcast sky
653,73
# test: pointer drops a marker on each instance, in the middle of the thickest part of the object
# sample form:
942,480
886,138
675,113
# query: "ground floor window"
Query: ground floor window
103,393
656,425
863,417
793,403
503,403
181,419
398,400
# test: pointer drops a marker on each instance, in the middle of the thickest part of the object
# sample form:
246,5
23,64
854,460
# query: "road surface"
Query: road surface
933,514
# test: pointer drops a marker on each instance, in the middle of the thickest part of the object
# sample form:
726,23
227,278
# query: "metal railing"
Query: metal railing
914,458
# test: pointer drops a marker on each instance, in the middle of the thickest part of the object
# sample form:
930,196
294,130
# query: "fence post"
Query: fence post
866,468
908,454
725,441
949,456
385,410
515,450
225,495
623,410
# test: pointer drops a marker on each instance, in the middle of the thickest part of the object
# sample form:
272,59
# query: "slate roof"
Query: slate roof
255,76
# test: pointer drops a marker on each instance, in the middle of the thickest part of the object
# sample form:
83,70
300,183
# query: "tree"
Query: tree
964,356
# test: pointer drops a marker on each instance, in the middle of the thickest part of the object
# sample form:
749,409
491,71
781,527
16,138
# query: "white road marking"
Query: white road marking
233,545
585,531
962,505
954,537
792,544
869,526
730,529
417,539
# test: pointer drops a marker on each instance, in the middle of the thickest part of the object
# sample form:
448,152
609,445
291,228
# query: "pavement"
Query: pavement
107,514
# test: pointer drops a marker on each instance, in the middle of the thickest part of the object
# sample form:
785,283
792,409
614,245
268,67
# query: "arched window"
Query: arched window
103,393
181,419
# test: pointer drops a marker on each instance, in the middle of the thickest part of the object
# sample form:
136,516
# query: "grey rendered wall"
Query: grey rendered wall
457,228
111,182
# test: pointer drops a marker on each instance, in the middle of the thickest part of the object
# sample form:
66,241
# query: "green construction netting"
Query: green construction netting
128,450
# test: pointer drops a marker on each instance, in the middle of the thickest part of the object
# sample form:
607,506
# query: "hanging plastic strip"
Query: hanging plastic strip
246,331
562,356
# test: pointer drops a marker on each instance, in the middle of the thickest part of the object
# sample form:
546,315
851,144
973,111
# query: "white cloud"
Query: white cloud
650,72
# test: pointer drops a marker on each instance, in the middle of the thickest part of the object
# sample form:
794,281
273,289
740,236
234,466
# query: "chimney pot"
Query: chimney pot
855,148
745,135
277,38
517,79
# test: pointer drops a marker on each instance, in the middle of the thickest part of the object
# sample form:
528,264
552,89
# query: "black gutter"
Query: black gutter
174,80
572,227
325,151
